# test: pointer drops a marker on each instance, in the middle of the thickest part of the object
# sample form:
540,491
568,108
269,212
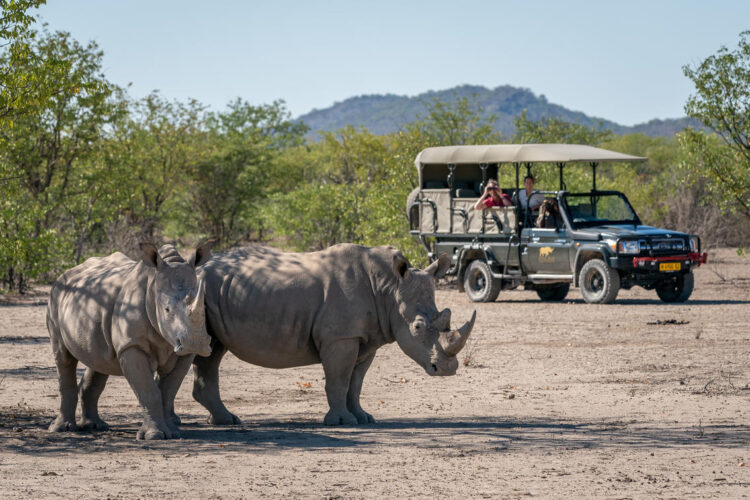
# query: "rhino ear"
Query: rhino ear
400,265
440,266
202,252
150,255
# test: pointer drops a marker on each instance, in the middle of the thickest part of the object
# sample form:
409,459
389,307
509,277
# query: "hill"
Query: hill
383,114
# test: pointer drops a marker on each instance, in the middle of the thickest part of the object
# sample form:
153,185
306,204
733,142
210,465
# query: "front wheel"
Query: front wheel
553,293
677,289
599,283
479,283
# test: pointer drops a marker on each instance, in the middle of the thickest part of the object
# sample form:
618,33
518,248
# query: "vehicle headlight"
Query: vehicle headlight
629,247
612,244
694,244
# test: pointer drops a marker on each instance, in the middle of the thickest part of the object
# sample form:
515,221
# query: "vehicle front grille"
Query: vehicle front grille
666,245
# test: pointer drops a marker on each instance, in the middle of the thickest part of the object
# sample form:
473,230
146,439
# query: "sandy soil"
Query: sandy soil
554,400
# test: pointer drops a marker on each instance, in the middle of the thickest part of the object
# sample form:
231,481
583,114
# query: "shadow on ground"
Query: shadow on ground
15,339
24,431
33,372
641,302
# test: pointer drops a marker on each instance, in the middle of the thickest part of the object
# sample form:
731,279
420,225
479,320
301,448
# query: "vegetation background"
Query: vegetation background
87,170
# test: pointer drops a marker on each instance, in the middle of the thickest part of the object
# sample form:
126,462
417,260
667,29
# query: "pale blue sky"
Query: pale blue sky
615,60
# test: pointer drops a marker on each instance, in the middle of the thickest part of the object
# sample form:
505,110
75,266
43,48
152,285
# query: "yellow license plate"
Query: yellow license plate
670,266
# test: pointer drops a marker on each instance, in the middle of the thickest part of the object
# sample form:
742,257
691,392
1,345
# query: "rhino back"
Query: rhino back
81,305
274,309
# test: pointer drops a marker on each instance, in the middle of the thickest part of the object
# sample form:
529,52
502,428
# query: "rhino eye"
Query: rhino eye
166,308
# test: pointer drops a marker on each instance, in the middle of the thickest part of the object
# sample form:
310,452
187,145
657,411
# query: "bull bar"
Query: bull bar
692,257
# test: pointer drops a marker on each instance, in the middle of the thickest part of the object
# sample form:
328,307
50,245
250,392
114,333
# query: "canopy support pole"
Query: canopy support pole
593,172
451,178
562,183
483,167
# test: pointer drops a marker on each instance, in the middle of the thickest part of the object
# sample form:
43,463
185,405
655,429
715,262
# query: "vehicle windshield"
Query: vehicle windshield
596,209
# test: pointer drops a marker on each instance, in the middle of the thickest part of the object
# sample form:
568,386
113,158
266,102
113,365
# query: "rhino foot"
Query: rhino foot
363,417
152,432
150,435
340,417
224,419
62,425
89,424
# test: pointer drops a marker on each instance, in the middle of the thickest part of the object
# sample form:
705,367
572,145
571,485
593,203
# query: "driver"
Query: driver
526,199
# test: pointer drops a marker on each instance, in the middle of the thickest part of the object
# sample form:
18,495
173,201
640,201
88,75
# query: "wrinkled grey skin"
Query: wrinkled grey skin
334,307
144,320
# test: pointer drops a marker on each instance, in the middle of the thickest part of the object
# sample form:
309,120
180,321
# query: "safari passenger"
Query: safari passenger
492,197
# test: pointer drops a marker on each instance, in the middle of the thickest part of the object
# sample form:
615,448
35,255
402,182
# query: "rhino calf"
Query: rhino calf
144,320
334,307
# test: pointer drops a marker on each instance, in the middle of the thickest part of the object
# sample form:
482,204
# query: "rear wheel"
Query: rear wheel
677,289
553,293
599,283
479,283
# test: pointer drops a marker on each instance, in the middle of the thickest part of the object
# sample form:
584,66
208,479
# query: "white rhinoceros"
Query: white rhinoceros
144,320
334,307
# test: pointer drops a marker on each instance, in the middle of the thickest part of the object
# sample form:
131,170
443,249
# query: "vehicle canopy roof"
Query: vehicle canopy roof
519,153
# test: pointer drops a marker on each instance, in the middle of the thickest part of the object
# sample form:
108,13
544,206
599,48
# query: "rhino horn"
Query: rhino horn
453,341
195,309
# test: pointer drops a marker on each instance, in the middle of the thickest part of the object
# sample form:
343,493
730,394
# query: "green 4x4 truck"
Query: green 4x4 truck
592,240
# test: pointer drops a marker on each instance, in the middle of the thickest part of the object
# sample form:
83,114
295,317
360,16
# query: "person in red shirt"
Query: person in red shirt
492,197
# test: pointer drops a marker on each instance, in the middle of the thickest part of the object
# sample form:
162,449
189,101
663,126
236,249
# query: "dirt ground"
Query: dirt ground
553,400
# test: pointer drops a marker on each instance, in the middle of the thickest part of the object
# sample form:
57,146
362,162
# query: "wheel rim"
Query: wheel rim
595,281
477,281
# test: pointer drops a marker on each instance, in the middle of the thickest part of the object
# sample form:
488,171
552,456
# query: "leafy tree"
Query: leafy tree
651,185
40,150
355,184
313,216
722,103
15,19
18,88
550,130
153,150
553,130
239,166
454,123
337,176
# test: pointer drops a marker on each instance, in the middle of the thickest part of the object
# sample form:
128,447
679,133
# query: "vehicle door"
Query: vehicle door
545,251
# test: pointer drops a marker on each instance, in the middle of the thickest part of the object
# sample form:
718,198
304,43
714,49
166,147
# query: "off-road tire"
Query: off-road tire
677,289
553,293
599,283
479,283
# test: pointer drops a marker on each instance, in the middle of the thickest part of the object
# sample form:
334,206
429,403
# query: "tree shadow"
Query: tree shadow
26,303
34,372
24,432
637,302
16,339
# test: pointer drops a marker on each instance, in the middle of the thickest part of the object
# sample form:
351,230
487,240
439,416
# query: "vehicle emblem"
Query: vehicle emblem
546,254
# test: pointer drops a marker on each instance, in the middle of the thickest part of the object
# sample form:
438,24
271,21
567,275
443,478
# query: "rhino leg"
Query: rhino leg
91,387
169,383
136,366
206,386
66,371
355,388
339,358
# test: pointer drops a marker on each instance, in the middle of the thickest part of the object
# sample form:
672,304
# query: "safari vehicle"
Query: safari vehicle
596,241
